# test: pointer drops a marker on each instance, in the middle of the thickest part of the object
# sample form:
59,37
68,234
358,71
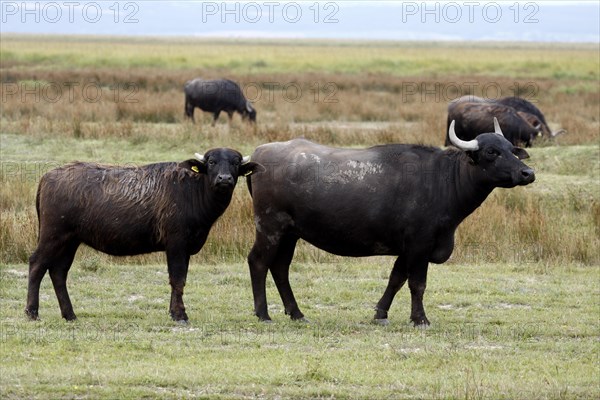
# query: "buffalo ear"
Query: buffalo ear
520,153
250,168
531,119
193,165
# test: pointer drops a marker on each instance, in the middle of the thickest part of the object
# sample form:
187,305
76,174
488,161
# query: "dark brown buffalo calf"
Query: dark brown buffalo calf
127,211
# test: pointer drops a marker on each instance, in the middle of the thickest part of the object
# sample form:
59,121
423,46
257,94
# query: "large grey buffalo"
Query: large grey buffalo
123,211
521,121
400,200
215,96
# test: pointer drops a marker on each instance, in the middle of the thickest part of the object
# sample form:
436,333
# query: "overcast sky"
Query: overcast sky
562,21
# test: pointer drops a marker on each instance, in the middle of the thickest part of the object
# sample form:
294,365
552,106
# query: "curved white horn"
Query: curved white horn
558,132
249,106
471,145
200,157
497,129
246,160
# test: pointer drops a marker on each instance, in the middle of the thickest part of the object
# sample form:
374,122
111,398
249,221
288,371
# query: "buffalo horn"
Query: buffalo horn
497,129
246,160
200,157
558,132
471,145
248,106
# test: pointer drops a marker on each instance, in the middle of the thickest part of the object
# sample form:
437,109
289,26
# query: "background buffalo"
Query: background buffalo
520,120
215,96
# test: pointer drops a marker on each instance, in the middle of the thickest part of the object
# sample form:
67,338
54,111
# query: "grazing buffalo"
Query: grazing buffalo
215,96
520,120
127,211
400,200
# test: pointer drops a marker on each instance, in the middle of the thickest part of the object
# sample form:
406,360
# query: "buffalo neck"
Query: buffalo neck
213,202
469,190
193,198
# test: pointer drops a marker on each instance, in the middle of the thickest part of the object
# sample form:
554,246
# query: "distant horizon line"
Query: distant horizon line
203,36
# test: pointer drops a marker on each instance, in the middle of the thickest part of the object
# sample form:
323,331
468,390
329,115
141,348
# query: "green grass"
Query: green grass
498,331
273,56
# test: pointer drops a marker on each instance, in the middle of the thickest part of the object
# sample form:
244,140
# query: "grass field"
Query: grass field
514,312
508,330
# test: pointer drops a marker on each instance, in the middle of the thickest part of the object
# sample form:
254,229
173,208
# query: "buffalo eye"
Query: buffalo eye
236,163
492,152
211,163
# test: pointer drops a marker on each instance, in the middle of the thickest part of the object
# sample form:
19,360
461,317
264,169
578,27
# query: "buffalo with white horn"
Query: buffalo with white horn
398,200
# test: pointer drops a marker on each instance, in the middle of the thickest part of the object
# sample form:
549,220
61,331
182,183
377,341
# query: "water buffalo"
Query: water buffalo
215,96
520,120
401,200
127,211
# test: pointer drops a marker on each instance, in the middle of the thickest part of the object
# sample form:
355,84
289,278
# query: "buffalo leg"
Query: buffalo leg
42,260
58,274
398,277
189,110
417,282
178,268
266,256
258,262
280,269
215,117
37,270
59,269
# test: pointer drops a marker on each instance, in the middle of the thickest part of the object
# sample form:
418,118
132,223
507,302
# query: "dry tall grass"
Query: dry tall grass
58,102
142,108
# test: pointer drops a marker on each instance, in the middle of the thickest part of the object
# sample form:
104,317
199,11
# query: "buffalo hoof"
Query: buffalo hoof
266,321
32,315
70,317
381,321
182,322
263,317
421,323
178,316
302,320
380,314
295,315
